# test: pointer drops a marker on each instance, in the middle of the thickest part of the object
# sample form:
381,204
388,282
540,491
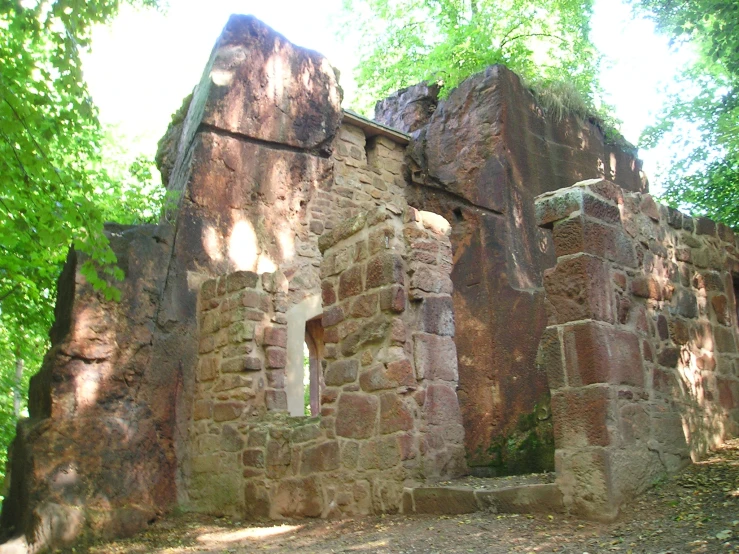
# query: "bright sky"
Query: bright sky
146,62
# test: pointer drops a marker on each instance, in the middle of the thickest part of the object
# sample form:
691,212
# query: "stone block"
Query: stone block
365,305
276,400
322,457
384,269
535,498
278,457
600,353
583,478
435,357
725,339
357,415
549,358
332,316
227,411
728,392
374,330
398,331
393,299
674,218
580,234
255,299
437,315
647,287
316,227
341,372
551,207
427,280
394,414
208,289
241,331
686,304
275,336
390,376
207,368
252,363
441,405
581,417
350,282
705,226
298,498
233,381
231,439
305,433
240,280
234,365
202,410
253,457
256,501
328,293
442,500
649,207
388,452
668,356
634,423
721,309
276,357
575,288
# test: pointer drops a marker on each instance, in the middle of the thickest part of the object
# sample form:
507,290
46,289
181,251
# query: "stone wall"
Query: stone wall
96,454
641,347
478,158
294,216
389,411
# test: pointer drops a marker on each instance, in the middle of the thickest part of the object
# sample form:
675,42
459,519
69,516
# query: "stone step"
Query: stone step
493,495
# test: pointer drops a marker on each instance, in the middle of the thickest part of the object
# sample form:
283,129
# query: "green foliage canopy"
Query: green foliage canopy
404,42
56,186
700,120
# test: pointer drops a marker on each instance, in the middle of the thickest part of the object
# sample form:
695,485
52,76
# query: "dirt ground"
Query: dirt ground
695,511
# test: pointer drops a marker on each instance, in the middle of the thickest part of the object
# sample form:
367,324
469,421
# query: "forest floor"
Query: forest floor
694,511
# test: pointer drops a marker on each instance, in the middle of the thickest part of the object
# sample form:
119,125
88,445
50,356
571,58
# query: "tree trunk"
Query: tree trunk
18,385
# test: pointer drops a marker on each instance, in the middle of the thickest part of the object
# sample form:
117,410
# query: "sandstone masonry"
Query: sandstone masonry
451,287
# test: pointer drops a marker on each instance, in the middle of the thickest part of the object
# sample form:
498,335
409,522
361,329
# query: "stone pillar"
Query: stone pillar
640,352
589,361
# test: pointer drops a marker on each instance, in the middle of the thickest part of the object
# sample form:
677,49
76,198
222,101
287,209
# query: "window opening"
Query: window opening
312,366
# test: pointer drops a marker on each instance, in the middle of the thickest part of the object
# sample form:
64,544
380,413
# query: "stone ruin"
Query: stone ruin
481,290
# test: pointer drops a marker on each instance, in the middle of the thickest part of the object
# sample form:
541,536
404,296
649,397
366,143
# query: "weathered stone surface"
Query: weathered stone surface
356,416
394,414
435,357
408,109
372,331
441,405
437,314
247,96
581,417
390,376
597,353
169,365
298,498
95,418
341,372
323,457
384,269
575,289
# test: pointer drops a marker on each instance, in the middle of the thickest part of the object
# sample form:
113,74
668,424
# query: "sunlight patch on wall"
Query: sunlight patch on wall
243,247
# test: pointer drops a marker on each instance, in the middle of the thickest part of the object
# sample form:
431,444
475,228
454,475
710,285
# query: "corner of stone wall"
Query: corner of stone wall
640,351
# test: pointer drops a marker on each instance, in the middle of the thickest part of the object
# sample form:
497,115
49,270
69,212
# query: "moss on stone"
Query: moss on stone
529,448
